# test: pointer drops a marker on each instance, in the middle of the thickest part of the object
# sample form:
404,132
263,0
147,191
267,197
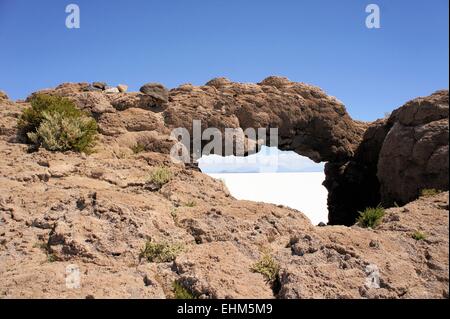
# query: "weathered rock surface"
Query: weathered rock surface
157,91
415,154
308,121
397,158
96,211
364,160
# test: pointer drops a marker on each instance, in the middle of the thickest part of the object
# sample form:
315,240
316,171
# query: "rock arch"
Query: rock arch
366,162
309,122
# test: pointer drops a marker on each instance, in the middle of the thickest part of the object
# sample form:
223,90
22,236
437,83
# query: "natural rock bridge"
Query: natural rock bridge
388,161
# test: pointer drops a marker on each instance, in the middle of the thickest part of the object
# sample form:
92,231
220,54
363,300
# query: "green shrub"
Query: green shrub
138,148
371,217
180,292
266,266
32,117
160,176
429,192
417,235
160,252
56,124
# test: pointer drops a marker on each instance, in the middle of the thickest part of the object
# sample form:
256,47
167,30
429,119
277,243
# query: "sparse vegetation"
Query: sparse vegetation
191,203
51,257
160,252
417,235
371,217
429,192
138,148
174,214
56,124
160,176
266,266
180,292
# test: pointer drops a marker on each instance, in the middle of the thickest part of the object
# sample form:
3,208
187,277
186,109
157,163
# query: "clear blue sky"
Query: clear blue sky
322,42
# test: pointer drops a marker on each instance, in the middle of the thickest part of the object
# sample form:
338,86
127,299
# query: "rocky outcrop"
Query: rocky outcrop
96,212
397,158
365,161
353,184
309,122
414,155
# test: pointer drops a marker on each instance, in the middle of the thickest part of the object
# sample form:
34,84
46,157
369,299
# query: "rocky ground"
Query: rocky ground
97,211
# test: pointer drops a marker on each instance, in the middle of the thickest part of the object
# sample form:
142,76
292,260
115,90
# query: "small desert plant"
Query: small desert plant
160,176
56,124
371,217
266,266
429,192
174,214
160,252
191,203
180,292
51,257
138,148
417,235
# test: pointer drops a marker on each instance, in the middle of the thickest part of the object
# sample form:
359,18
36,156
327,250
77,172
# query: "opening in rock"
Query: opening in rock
273,176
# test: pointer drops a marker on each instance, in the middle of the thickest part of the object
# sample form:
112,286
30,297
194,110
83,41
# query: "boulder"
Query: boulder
122,88
157,91
110,89
99,85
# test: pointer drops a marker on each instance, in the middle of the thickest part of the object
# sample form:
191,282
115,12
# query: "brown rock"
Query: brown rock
122,88
224,282
99,85
157,91
415,153
397,158
309,122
